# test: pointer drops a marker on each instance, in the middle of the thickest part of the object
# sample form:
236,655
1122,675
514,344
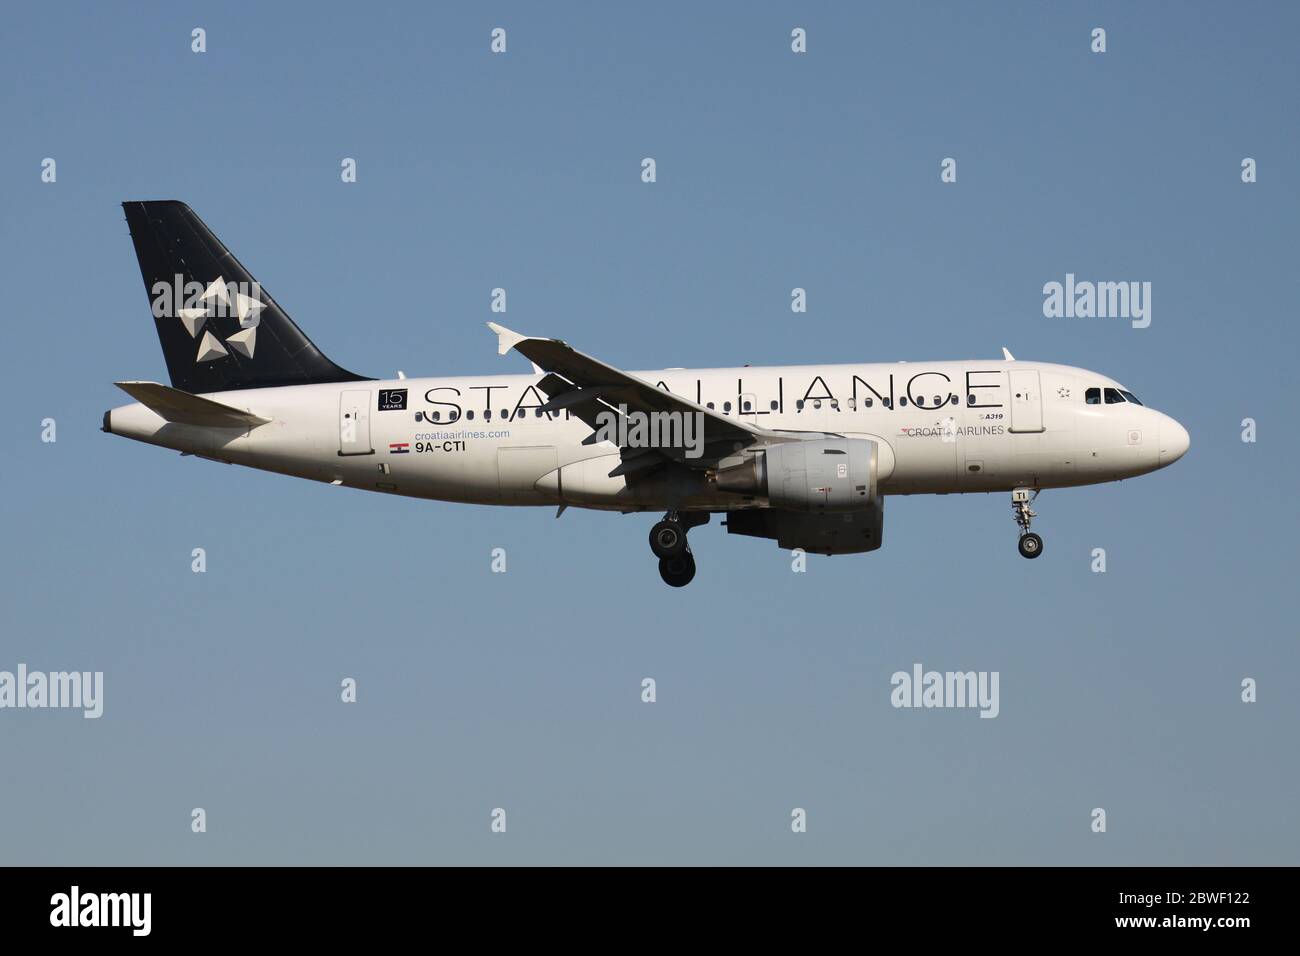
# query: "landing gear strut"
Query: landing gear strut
668,542
1031,545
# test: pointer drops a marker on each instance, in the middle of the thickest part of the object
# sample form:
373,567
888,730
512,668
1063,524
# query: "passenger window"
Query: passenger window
1113,397
710,405
746,406
487,414
774,406
920,402
853,404
469,415
937,401
867,402
1092,396
726,406
435,415
817,403
970,399
835,404
902,401
799,405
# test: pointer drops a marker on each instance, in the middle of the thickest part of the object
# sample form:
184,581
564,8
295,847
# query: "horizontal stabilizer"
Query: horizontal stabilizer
185,409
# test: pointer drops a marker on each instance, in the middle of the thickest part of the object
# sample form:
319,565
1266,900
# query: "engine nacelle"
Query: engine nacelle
851,532
828,475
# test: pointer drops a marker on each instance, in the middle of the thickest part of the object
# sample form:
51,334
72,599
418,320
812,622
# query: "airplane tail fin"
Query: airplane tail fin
218,327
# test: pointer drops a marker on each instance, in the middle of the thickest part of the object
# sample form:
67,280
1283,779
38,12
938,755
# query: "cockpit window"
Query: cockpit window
1113,396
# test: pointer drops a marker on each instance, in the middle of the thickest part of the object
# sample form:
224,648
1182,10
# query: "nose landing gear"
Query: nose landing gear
669,544
1031,545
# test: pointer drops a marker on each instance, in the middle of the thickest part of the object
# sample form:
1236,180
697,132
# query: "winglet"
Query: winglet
1005,354
506,339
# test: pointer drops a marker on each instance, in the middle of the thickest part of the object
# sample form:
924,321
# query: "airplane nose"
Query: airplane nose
1174,441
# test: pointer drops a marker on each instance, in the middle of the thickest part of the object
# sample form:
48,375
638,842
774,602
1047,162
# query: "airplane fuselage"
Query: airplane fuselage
941,428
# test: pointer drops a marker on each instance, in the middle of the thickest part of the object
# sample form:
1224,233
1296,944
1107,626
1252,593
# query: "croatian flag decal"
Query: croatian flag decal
399,447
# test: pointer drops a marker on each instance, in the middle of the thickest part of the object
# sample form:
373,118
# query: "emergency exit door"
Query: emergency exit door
1026,402
354,422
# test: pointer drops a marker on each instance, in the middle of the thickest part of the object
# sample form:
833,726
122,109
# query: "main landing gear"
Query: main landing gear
678,571
1031,545
668,542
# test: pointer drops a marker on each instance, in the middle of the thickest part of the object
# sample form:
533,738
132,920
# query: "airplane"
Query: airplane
802,455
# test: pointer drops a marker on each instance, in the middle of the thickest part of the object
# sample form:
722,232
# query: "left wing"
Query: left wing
586,387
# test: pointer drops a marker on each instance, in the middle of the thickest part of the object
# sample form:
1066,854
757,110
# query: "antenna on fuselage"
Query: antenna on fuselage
1007,355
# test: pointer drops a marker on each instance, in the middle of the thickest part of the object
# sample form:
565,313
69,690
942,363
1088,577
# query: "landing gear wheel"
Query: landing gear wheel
667,539
677,571
1031,545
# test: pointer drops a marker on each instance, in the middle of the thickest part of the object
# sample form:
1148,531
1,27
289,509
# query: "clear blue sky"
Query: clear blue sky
479,690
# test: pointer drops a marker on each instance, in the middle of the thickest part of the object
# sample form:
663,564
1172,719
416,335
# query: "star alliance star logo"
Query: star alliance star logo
220,298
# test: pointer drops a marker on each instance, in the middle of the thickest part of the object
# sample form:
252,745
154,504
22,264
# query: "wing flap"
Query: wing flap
634,464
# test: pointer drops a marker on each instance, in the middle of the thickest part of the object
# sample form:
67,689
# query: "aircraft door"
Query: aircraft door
354,422
1026,402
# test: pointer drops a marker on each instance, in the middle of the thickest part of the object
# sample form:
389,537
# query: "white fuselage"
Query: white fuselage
942,427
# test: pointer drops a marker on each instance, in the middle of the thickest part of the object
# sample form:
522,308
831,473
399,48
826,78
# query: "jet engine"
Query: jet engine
822,495
828,475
